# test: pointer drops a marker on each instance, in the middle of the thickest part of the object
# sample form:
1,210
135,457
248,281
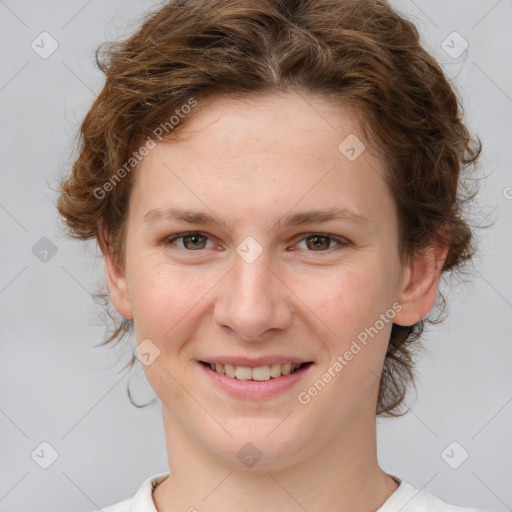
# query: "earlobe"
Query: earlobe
419,285
118,287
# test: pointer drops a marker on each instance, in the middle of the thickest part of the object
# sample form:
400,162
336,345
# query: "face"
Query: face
243,279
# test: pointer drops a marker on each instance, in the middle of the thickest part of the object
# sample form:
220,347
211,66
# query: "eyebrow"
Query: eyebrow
295,219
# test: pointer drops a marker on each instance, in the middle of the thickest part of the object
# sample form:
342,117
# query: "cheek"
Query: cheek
165,304
351,303
164,295
347,300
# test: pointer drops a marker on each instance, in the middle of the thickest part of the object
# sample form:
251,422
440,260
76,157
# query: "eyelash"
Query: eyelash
340,241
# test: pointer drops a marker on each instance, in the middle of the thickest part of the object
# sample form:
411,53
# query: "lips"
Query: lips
257,373
254,382
254,362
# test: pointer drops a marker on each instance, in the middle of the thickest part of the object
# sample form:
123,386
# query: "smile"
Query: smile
259,373
254,382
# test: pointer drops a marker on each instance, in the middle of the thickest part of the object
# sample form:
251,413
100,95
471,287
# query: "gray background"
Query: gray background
56,387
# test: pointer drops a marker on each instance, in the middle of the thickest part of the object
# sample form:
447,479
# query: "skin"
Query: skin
250,163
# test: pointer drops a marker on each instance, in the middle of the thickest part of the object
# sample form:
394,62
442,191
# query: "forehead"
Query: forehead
269,122
250,154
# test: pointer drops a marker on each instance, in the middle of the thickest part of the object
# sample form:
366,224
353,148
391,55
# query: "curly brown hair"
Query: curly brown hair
359,53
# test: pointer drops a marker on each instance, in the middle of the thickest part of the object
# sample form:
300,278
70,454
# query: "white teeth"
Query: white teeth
275,370
243,373
229,369
286,368
260,373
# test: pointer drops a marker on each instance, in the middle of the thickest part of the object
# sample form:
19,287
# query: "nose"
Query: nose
253,299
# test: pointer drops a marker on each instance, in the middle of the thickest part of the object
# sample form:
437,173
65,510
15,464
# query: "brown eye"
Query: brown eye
191,241
318,242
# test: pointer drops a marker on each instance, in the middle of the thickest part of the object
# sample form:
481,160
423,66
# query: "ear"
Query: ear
419,285
117,285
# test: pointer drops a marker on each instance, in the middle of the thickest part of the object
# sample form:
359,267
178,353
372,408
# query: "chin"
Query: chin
258,445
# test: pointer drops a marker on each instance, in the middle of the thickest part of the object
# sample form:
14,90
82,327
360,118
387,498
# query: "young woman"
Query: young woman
274,186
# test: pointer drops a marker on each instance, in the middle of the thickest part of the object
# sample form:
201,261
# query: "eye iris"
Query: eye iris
193,237
316,244
318,241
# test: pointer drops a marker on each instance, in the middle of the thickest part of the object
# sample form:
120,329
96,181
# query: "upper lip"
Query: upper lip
254,362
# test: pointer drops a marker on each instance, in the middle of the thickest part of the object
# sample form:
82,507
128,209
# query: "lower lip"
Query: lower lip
254,389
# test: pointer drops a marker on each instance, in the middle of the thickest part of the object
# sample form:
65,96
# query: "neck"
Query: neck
344,475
